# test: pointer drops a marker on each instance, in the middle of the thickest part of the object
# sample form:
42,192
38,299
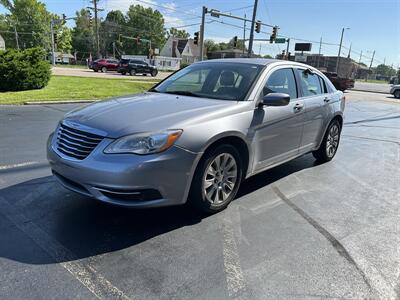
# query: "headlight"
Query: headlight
144,143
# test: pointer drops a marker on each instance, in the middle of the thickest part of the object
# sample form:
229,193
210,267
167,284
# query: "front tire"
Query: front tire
396,94
132,72
154,73
104,69
217,179
328,148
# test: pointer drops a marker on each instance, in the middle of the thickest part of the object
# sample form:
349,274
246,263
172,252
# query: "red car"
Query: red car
104,65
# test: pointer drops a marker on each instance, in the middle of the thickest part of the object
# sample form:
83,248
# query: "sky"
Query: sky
374,25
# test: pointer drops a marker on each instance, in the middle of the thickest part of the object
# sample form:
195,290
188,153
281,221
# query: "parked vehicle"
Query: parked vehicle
340,83
104,65
395,91
136,66
197,134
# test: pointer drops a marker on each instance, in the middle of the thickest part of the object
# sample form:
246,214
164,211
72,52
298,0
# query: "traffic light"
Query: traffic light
64,18
55,38
258,26
235,41
196,38
273,35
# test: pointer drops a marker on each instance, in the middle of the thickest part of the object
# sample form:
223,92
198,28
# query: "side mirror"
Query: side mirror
275,99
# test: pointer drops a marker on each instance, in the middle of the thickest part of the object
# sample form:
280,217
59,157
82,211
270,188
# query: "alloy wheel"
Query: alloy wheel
332,141
220,178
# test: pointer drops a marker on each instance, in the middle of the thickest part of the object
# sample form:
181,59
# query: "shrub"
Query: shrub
23,69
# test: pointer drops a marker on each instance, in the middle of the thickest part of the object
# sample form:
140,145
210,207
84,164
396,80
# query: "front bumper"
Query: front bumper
126,179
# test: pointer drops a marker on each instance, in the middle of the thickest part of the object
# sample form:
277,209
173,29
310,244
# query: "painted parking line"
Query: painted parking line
235,282
19,165
81,270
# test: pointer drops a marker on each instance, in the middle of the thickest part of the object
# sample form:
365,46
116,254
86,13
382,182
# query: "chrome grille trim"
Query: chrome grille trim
75,143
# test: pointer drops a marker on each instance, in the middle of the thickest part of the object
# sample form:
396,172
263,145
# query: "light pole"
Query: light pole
340,49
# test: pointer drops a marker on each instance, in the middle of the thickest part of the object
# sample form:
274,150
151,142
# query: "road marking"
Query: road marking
13,166
234,275
83,271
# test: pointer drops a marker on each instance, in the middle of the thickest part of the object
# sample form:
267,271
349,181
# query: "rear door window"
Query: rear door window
309,83
323,85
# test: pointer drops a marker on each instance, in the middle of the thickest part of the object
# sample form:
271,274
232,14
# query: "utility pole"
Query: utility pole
384,61
319,52
360,57
340,49
113,49
259,50
370,65
96,10
203,19
244,34
16,36
53,52
348,56
253,21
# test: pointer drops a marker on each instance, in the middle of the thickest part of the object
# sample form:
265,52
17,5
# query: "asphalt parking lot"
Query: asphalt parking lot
298,231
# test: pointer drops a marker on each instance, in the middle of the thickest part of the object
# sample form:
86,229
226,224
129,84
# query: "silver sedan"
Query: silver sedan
197,134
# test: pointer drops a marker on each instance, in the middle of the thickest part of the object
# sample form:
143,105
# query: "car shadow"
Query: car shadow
89,228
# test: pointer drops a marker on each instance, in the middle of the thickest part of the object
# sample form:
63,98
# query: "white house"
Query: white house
2,43
181,48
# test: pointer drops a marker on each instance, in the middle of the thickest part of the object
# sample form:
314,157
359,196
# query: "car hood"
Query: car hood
148,112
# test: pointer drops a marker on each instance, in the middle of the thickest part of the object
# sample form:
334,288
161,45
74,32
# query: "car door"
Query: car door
313,97
278,129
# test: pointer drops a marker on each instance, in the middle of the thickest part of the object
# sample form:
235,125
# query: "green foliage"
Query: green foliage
145,23
183,34
83,34
385,70
23,70
28,16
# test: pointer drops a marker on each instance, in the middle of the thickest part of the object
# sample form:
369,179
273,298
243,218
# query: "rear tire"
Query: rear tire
154,73
123,73
216,180
330,143
104,69
397,94
96,71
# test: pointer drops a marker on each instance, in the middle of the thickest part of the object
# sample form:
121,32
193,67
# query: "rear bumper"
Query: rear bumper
127,179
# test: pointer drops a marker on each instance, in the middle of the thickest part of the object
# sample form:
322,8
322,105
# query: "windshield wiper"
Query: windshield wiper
183,93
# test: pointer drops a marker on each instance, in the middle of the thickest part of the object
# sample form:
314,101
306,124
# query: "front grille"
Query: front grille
76,143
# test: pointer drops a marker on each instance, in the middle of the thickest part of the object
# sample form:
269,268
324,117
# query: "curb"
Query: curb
359,90
58,102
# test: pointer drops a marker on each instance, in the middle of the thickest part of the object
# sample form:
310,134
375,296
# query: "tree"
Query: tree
29,17
64,37
144,23
183,34
110,29
383,70
83,35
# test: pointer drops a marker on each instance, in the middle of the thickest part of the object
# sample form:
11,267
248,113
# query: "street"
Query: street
298,231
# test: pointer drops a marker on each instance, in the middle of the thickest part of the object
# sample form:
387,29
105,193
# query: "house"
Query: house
181,48
62,58
227,53
2,43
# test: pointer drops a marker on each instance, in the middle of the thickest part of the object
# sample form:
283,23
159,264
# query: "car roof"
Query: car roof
257,61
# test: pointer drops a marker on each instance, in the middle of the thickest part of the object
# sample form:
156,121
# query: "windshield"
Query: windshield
225,81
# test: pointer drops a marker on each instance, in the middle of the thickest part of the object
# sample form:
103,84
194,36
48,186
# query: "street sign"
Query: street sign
300,57
280,41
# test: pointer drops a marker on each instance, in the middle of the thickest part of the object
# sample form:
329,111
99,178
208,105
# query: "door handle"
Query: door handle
298,107
327,99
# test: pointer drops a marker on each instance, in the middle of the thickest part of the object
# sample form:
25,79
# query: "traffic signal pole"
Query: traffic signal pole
203,19
253,21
